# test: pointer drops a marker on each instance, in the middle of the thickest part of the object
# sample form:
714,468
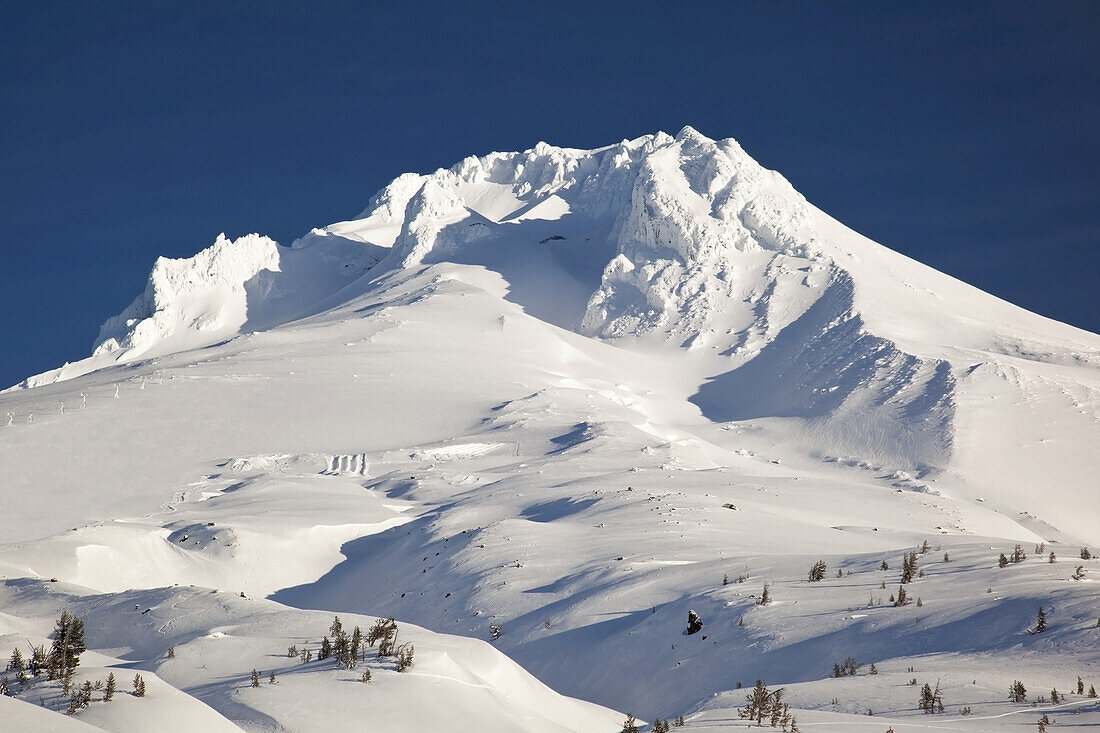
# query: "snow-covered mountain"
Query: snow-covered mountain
562,393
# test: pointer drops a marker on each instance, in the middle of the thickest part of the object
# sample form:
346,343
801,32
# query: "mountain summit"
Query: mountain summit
556,400
680,243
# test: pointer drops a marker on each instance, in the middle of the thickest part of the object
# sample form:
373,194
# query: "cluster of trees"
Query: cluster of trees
60,664
348,650
931,700
817,571
665,726
764,705
848,668
1017,556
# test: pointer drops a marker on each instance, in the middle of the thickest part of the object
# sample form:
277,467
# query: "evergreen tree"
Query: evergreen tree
1085,554
1040,621
5,687
1053,558
629,726
109,691
1017,692
271,678
326,649
660,726
337,628
37,661
255,681
1018,554
679,721
139,686
68,645
926,703
1055,698
341,649
1080,685
1002,561
16,664
884,566
356,641
909,568
817,571
366,676
765,597
404,654
1092,690
902,599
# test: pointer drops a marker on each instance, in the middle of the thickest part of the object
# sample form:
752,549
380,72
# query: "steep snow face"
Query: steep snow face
204,293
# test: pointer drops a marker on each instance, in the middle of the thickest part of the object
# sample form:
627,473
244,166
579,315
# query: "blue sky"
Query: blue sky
964,135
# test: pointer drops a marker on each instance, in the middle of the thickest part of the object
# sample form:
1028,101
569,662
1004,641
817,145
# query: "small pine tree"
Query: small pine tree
817,571
926,703
356,641
946,557
404,654
902,599
660,726
884,566
1053,558
1017,692
679,722
255,681
629,726
1040,621
292,651
16,663
139,686
1054,696
874,669
5,687
109,690
326,649
908,568
366,676
1080,685
1018,554
1092,690
725,581
37,661
336,628
1085,554
1002,561
171,652
271,678
765,596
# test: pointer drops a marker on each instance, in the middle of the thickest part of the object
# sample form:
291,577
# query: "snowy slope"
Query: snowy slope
563,393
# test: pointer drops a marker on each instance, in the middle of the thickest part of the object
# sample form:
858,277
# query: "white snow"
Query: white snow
563,393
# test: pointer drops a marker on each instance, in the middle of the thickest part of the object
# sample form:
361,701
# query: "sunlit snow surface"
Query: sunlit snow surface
563,393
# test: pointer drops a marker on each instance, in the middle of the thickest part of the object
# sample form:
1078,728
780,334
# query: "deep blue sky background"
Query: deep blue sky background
962,134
